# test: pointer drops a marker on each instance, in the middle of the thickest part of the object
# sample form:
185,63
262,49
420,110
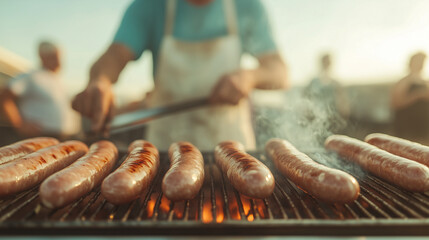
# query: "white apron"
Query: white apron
190,70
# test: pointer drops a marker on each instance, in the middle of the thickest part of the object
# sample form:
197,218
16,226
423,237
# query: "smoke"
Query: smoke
302,121
305,122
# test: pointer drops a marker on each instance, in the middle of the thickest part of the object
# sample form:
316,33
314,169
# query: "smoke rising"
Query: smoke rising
306,123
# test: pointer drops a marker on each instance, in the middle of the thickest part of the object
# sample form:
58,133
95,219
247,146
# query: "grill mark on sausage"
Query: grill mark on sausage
185,148
19,149
67,150
184,178
243,159
42,160
35,167
137,165
79,178
134,175
247,174
35,145
148,145
144,158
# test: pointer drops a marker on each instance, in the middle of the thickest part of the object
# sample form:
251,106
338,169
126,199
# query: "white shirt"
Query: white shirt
42,99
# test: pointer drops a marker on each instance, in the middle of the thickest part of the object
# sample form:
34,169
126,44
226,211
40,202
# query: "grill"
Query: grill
381,209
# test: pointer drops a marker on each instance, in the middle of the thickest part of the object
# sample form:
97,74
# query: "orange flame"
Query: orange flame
164,206
261,207
150,207
219,209
178,209
207,212
207,215
247,208
233,209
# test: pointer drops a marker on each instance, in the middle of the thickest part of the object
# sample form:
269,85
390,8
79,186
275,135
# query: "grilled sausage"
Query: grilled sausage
246,174
19,149
400,147
133,176
136,143
80,177
327,184
185,177
33,168
403,172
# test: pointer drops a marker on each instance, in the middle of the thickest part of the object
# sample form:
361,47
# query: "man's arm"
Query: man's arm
271,74
9,108
111,63
256,39
96,101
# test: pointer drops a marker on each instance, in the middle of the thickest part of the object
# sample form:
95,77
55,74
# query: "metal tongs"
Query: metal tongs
131,120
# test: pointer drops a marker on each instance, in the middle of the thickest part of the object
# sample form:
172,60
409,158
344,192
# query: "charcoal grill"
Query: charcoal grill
381,209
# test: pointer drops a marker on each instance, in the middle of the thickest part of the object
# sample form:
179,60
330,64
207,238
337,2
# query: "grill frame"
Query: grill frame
379,210
305,227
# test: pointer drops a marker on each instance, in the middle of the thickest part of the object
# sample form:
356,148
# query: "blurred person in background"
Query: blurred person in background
325,89
410,103
36,103
196,47
329,96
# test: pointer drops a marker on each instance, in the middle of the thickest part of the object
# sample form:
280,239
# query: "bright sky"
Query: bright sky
370,40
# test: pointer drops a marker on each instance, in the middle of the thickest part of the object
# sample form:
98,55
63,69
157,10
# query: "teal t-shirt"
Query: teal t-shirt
142,27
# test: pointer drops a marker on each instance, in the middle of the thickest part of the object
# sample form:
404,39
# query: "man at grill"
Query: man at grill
196,47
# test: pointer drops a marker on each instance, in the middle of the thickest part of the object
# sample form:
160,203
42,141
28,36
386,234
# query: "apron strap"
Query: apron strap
230,17
170,17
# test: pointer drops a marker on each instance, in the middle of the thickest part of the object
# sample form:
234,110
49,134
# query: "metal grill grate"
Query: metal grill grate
381,209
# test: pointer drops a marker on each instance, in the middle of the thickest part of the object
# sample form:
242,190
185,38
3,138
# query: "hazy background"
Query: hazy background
370,40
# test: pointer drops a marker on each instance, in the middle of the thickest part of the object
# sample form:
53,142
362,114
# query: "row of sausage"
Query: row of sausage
70,170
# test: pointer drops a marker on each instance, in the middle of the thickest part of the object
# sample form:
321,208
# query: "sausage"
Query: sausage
133,176
185,177
136,143
80,177
327,184
401,147
246,174
33,168
19,149
403,172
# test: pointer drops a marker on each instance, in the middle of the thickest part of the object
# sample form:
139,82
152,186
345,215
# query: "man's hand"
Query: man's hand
96,103
233,87
271,74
